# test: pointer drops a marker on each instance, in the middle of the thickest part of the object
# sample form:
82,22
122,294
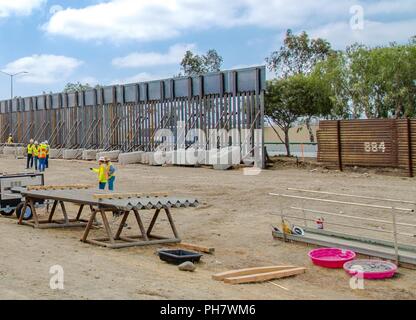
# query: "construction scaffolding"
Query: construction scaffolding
128,117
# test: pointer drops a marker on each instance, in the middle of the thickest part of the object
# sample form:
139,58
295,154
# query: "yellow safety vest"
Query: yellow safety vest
10,140
102,173
35,150
108,170
30,148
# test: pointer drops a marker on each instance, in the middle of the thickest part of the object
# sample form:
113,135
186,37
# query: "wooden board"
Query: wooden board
249,271
60,187
195,247
262,277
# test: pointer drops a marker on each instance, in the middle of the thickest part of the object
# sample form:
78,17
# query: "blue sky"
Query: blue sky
121,41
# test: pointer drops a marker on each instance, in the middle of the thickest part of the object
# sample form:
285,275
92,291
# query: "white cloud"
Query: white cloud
18,7
43,69
141,77
374,33
149,20
55,8
149,59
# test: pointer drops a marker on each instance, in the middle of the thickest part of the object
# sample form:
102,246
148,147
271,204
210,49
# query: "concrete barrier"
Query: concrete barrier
55,154
154,160
20,152
90,154
112,155
130,158
9,151
226,156
71,154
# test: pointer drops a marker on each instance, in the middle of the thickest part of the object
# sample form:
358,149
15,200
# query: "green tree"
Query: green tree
375,82
193,64
298,56
77,87
289,99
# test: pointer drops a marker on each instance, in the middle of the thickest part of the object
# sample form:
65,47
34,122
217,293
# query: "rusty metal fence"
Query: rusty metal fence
127,117
368,143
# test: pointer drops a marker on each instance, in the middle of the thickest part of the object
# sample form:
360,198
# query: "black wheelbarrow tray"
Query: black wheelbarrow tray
178,257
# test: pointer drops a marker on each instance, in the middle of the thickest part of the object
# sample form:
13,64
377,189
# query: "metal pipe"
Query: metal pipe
341,202
352,196
352,217
354,227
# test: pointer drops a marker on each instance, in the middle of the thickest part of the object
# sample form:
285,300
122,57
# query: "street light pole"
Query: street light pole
12,75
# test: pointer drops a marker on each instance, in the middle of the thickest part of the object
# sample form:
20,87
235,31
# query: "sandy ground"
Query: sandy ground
235,217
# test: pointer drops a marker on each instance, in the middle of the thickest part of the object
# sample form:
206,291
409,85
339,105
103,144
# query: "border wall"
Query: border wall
127,117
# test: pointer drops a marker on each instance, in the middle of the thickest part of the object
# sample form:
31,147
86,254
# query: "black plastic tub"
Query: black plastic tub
179,256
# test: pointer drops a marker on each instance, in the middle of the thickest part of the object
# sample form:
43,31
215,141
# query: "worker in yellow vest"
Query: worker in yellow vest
35,154
111,170
43,150
10,139
29,154
102,173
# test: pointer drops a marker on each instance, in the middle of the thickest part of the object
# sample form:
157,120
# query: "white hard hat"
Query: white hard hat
46,142
101,159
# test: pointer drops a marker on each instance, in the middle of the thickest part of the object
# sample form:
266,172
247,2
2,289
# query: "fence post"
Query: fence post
396,246
339,146
410,149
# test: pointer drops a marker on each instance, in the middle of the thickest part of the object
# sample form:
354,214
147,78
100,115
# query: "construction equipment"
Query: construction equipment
11,200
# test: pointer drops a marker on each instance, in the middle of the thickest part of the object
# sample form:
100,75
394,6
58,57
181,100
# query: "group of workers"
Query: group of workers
38,155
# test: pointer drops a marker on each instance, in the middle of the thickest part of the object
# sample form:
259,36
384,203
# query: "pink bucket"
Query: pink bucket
331,257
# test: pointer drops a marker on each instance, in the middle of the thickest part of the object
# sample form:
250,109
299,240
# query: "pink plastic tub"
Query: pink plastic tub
331,257
371,269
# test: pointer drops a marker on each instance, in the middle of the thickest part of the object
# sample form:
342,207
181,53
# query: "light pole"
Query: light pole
12,75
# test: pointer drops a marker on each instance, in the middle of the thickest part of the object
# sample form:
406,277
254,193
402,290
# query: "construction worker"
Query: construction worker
42,156
111,174
30,154
47,154
35,153
10,139
102,173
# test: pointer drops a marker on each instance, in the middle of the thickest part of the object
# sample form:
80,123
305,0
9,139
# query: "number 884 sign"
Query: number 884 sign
375,147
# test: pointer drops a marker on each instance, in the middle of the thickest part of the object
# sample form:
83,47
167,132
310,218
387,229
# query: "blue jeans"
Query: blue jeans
42,164
35,160
101,185
111,183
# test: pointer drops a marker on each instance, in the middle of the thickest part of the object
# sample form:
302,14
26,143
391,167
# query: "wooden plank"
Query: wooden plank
249,271
262,277
195,247
60,187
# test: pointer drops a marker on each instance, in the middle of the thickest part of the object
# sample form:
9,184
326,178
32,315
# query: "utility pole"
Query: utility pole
12,75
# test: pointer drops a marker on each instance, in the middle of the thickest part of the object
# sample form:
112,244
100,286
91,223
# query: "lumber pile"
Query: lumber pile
60,187
262,274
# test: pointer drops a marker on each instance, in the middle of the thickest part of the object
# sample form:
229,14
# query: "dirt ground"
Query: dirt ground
235,217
